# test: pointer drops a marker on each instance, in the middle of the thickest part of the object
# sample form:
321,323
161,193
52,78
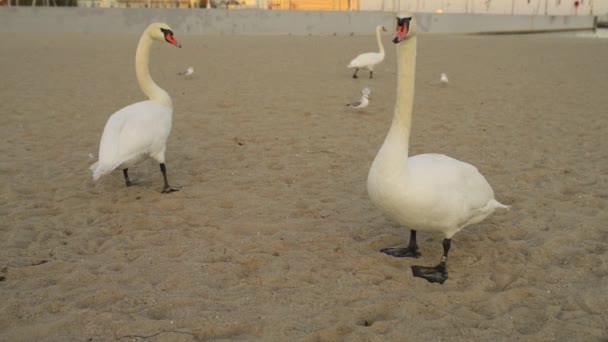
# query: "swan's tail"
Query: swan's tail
497,205
94,168
99,170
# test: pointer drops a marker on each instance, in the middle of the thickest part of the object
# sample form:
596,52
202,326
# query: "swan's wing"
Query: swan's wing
145,131
133,131
452,193
454,180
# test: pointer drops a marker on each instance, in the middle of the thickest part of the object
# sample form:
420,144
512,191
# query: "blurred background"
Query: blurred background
520,7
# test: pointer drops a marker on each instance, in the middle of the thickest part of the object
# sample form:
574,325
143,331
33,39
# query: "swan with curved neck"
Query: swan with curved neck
426,192
140,129
369,60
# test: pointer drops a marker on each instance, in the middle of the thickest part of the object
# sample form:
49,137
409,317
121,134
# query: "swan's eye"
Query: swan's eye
169,37
166,32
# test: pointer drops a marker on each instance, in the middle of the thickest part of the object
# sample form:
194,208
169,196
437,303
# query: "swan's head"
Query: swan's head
406,27
380,28
162,32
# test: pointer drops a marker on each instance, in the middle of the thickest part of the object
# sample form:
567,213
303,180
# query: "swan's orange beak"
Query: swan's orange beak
403,27
169,38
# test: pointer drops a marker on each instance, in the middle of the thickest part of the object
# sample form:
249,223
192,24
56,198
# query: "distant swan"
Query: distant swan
140,129
426,192
369,60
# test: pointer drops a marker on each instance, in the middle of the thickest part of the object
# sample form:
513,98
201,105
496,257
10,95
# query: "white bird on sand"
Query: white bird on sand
369,60
140,129
363,101
443,78
188,72
360,103
426,192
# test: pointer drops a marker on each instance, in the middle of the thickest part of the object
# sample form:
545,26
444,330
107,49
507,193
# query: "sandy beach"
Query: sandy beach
272,236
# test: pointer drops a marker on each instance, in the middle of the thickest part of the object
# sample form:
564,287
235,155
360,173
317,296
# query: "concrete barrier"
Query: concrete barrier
264,22
602,21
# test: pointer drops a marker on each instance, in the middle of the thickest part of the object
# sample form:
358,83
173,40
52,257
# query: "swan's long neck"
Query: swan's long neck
379,39
394,152
147,85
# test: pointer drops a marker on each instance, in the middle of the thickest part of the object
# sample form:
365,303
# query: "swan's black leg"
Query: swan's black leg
411,251
371,73
128,181
355,74
167,188
439,273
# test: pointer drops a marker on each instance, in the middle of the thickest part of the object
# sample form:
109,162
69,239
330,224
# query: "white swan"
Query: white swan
369,60
140,129
427,192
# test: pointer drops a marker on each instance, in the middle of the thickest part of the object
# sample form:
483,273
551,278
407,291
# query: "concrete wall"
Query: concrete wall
521,7
262,22
602,21
496,23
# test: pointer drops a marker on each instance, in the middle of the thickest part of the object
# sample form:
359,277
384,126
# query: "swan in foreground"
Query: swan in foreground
363,101
140,129
369,60
426,192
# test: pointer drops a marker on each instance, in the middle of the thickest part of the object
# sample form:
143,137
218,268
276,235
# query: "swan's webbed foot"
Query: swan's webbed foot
371,75
411,251
169,189
128,181
406,252
355,74
131,182
437,274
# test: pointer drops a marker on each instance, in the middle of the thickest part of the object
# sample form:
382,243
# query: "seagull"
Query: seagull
360,103
366,91
188,72
444,78
363,101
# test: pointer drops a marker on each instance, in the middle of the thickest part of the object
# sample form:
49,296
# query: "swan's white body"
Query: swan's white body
132,133
427,192
140,129
433,193
369,60
443,78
